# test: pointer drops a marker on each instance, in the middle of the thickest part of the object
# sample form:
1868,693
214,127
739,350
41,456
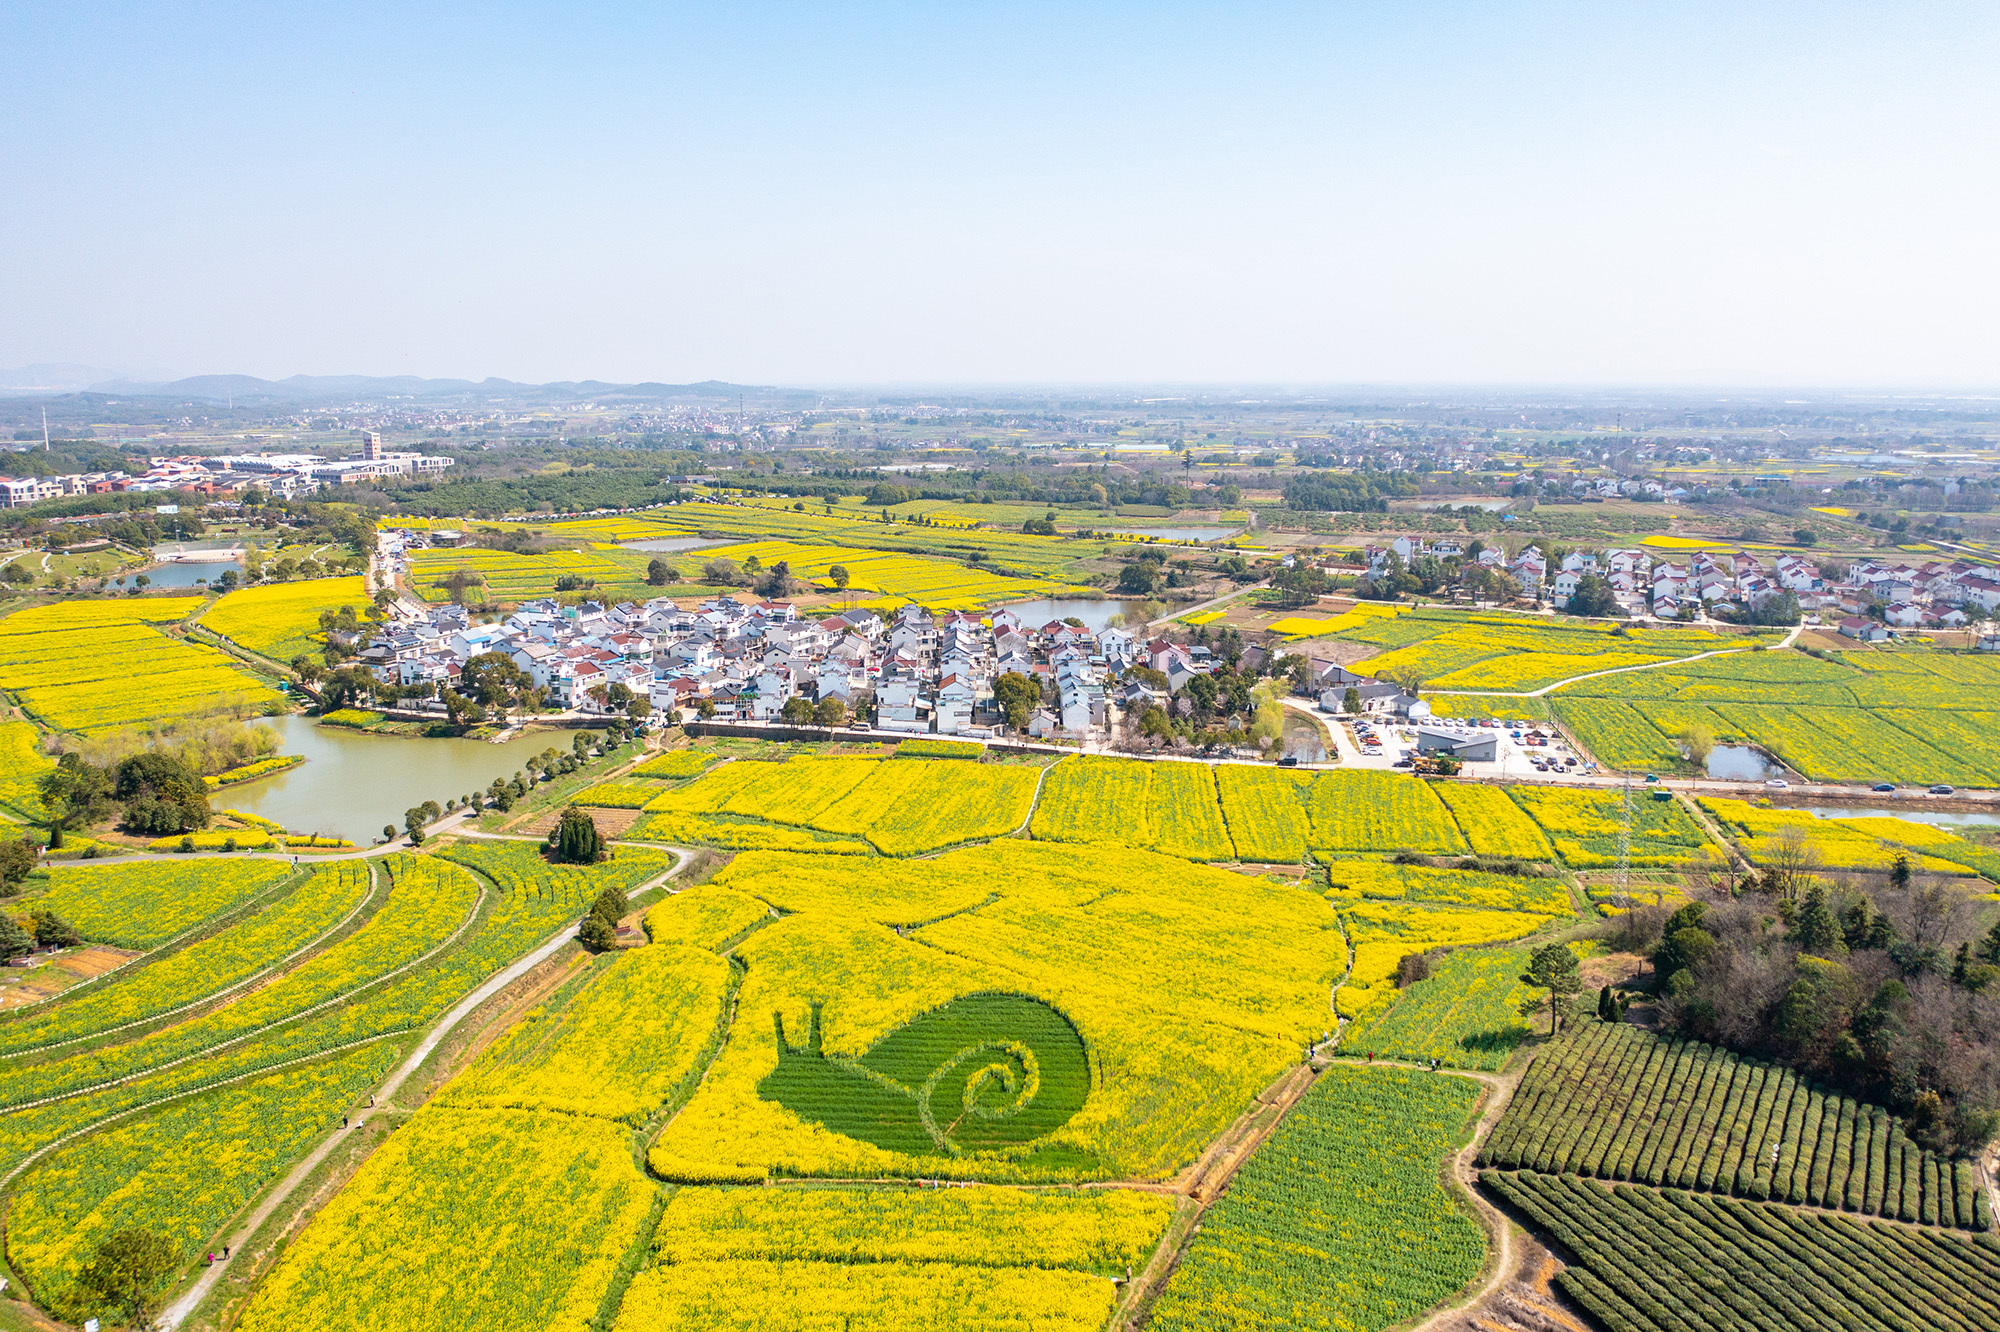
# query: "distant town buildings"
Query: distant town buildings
286,475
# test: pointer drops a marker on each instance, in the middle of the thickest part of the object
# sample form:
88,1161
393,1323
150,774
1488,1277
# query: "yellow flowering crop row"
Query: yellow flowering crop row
422,911
426,1235
1099,1230
973,1258
22,764
706,919
617,795
96,666
862,1297
250,772
740,835
242,839
938,583
200,969
1173,808
1266,811
281,620
1492,823
675,764
903,808
1853,844
1382,933
181,1172
1354,880
1379,811
1585,826
144,905
67,615
614,1049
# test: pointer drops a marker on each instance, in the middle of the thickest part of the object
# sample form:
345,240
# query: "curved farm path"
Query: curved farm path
1789,639
192,1297
1185,611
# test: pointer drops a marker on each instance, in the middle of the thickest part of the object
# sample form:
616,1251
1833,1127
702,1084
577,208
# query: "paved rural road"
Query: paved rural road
192,1297
1184,611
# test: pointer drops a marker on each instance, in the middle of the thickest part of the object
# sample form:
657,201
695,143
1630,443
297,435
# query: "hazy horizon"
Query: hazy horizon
1560,196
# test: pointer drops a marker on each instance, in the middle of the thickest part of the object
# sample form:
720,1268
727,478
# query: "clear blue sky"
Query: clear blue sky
1685,193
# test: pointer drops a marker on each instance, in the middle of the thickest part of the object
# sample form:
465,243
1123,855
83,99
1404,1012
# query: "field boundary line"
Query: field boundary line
130,962
298,952
267,1028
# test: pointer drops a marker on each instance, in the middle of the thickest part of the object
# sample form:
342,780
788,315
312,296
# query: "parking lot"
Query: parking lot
1524,750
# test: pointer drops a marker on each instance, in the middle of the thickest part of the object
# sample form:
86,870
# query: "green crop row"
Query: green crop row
1618,1103
1654,1261
1339,1222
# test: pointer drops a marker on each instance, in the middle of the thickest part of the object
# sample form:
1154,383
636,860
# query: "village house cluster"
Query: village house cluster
1936,595
911,672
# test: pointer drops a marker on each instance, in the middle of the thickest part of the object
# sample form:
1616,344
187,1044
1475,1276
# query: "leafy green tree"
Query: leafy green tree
575,840
17,861
1139,578
14,940
798,710
597,933
129,1272
580,746
413,823
492,678
611,903
830,711
1018,697
1593,596
1552,967
1352,702
75,794
841,578
52,931
659,573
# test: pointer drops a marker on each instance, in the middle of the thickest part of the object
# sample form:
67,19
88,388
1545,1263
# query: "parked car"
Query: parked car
1884,786
1289,761
1941,789
1778,784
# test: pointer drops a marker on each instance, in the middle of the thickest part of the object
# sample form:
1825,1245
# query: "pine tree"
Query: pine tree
576,840
1552,967
1817,930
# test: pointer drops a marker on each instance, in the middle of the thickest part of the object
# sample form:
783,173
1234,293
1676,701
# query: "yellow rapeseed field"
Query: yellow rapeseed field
96,666
281,620
1191,987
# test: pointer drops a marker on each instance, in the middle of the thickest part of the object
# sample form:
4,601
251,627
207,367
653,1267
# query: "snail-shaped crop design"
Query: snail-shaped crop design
983,1073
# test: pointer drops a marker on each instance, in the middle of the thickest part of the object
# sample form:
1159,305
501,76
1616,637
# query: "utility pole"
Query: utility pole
1625,846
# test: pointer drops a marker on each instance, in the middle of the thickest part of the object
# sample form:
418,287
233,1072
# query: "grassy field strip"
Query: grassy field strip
286,1021
373,884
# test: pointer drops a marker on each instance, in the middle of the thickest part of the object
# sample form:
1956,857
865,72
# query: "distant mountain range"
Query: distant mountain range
307,389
